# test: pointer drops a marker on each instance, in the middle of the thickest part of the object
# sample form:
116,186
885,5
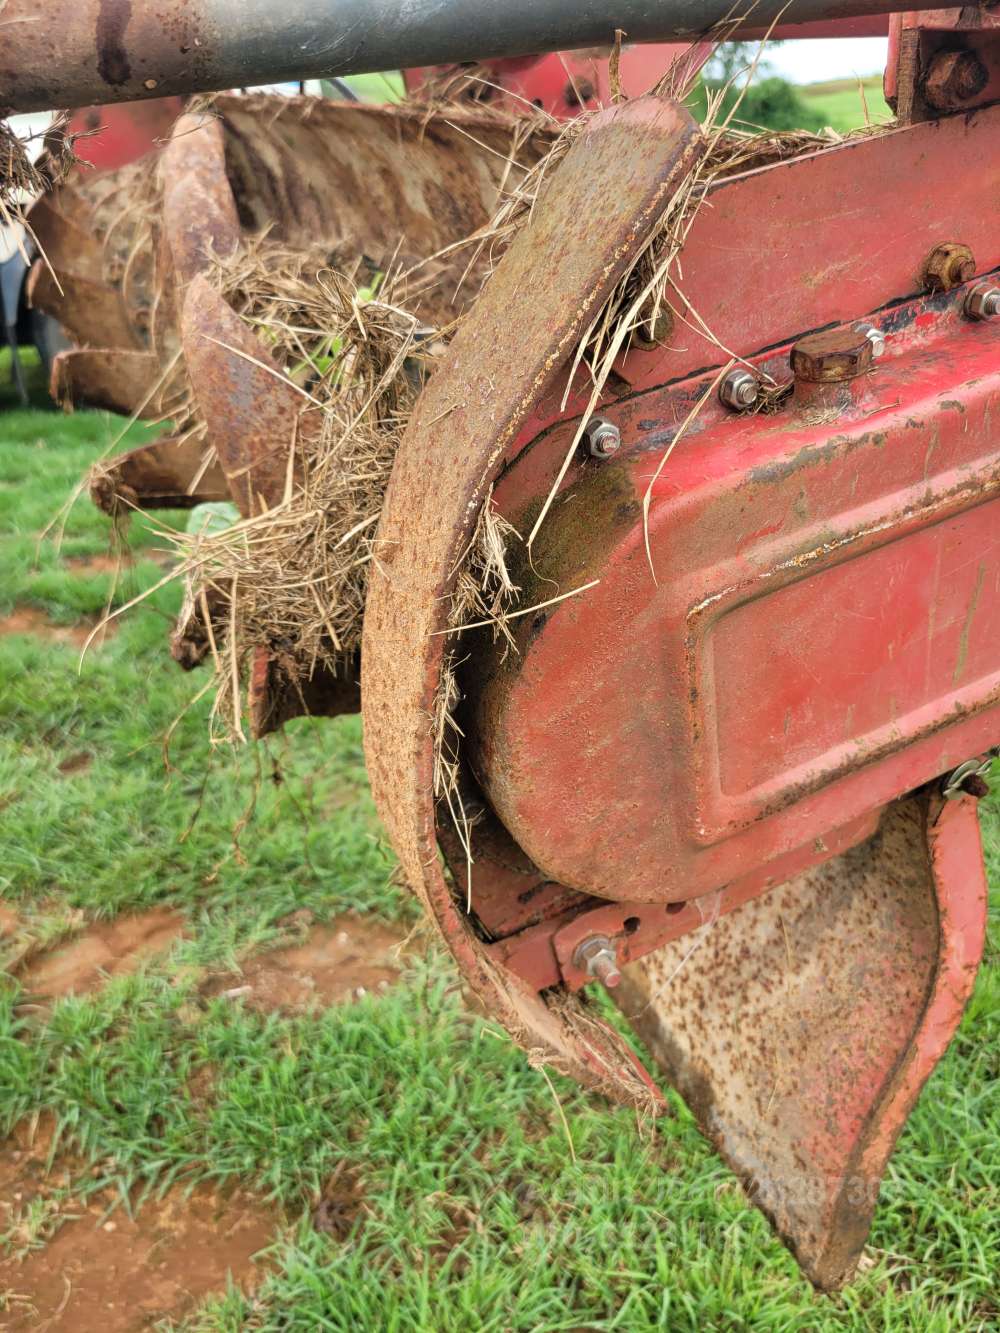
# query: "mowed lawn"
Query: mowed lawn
407,1169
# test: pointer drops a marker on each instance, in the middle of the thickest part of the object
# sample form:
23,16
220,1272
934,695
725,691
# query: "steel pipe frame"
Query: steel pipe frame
98,51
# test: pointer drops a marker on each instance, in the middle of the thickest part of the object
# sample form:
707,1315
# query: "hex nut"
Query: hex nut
953,78
948,266
598,957
739,390
602,438
983,301
832,356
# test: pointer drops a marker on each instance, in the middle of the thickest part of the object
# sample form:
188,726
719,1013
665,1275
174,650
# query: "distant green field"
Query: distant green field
849,103
845,104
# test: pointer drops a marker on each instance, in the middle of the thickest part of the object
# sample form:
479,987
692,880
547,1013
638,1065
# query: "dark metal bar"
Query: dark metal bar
66,53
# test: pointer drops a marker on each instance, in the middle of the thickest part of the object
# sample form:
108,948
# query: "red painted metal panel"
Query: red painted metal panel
821,637
818,240
118,134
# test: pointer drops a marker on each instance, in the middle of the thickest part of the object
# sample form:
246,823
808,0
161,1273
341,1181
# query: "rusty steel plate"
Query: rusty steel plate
167,473
555,277
256,415
801,1027
113,378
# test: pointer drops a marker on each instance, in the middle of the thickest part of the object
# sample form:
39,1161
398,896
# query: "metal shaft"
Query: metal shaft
67,53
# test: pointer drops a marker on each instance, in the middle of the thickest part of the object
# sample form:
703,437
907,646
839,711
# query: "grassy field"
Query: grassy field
408,1170
847,104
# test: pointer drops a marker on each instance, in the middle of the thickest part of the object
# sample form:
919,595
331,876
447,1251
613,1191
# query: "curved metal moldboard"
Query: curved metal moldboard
555,275
256,416
100,317
110,377
167,473
199,215
801,1028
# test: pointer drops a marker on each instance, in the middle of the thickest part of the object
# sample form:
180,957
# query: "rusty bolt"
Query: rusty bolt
602,438
580,93
954,78
649,337
598,957
947,266
875,336
832,356
976,785
739,390
983,301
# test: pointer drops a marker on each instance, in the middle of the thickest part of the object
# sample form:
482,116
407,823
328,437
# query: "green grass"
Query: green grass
847,104
474,1214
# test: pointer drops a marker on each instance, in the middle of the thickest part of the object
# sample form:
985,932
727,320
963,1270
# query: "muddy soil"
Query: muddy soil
106,948
113,1274
336,962
29,620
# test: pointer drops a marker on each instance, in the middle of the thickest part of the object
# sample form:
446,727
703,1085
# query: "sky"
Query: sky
822,59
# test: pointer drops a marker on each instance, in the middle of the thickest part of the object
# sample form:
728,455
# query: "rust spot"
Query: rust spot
112,58
948,266
831,356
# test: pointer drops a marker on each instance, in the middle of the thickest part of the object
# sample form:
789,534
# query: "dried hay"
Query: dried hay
20,178
294,578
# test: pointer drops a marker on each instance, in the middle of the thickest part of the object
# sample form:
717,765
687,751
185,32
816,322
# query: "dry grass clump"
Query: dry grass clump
484,593
293,579
21,180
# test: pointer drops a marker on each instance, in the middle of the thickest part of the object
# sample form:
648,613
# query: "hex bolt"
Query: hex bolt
598,957
875,336
832,356
983,301
648,336
954,78
579,93
602,438
739,390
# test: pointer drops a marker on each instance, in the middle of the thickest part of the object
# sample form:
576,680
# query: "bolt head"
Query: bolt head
602,438
983,301
649,338
948,266
739,390
579,93
832,356
954,78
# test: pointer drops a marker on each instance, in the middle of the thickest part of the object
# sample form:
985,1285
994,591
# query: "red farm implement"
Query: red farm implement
734,780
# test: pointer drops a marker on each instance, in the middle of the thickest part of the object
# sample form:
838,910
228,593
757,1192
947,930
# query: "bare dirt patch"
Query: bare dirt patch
94,564
336,962
112,948
116,1274
9,921
340,1205
75,763
29,620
